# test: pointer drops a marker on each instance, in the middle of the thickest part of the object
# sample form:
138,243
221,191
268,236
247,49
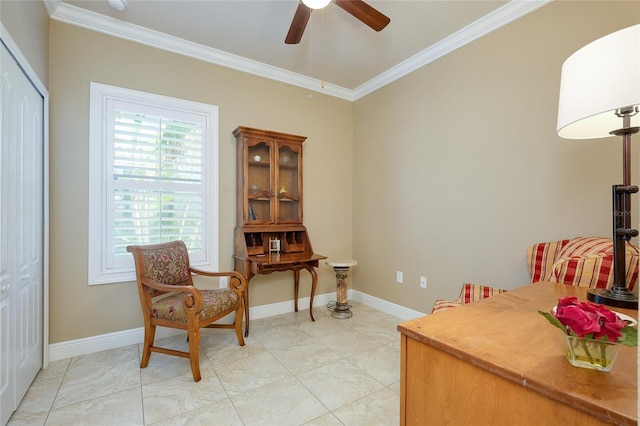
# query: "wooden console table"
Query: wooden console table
499,361
268,263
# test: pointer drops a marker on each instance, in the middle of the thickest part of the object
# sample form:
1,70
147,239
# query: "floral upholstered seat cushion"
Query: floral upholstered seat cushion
213,301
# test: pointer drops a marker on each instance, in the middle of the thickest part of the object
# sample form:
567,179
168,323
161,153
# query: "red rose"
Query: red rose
581,322
585,318
568,301
588,320
610,324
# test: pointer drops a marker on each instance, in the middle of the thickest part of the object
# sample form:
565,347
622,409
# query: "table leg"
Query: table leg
314,282
296,288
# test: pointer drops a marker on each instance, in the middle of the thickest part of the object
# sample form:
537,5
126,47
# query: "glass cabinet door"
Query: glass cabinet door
259,186
269,178
289,206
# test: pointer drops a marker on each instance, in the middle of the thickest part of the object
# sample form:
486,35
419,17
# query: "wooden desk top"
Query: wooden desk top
285,258
506,336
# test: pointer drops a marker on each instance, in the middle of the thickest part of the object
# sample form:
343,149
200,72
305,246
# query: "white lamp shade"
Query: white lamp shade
316,4
596,80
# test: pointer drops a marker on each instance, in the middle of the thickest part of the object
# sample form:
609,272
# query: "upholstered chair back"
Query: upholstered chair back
167,265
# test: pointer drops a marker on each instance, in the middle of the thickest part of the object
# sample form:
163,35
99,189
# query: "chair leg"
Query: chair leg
238,323
149,336
194,353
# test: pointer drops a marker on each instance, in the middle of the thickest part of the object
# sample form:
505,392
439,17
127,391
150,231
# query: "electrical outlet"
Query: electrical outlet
423,282
224,282
399,277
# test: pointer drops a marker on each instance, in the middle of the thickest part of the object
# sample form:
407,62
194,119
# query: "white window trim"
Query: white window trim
99,272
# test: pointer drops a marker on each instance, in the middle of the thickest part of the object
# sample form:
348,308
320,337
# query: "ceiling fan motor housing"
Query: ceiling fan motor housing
358,8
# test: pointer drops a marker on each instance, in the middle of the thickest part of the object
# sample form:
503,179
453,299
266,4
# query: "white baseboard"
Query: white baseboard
71,348
102,342
278,308
385,306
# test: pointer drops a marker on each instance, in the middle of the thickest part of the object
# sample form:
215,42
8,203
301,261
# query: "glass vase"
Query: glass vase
588,353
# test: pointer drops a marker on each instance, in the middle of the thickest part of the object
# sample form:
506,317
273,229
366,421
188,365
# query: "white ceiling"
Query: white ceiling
336,48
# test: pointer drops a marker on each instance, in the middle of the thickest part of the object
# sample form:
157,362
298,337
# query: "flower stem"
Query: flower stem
603,354
583,343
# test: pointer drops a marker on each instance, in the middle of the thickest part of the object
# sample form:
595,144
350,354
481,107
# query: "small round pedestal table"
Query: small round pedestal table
341,309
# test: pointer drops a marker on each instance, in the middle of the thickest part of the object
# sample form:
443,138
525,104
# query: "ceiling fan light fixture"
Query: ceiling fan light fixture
316,4
118,5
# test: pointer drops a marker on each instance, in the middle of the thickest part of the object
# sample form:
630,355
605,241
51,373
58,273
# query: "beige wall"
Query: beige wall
457,167
79,56
450,172
28,24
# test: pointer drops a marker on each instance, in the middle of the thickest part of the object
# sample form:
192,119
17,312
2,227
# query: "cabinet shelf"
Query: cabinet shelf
281,197
288,199
260,197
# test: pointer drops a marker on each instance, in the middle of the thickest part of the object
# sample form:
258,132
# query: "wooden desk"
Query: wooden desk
498,361
274,262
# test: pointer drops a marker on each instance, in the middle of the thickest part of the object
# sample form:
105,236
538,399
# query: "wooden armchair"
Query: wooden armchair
169,299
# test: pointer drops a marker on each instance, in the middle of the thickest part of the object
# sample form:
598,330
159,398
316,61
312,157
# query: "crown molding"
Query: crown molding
483,26
51,5
73,15
77,16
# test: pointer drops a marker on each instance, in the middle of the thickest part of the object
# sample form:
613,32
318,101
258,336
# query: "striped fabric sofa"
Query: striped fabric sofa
580,261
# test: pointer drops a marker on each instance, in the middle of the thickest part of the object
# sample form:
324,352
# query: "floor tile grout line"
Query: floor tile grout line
139,359
343,358
352,328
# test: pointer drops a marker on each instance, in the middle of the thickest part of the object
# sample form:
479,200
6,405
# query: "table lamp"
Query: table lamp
600,97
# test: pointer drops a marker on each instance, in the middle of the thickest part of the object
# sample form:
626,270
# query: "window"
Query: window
153,174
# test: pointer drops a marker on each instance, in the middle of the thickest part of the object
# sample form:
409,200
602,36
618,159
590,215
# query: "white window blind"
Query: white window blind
156,174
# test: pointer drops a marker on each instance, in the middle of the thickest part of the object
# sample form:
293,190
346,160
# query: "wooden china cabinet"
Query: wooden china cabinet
269,235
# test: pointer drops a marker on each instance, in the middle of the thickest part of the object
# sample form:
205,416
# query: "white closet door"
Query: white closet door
21,234
29,238
7,235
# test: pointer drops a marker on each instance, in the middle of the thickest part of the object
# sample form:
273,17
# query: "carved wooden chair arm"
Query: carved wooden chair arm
237,282
192,301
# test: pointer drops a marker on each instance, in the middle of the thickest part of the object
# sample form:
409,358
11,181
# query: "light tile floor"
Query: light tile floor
290,372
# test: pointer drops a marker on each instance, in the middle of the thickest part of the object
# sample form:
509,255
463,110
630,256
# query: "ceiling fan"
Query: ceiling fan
358,8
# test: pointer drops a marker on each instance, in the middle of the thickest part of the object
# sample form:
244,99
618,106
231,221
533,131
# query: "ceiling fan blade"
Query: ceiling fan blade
298,24
364,13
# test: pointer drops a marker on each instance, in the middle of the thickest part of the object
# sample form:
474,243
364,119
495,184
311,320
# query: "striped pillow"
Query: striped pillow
588,262
541,257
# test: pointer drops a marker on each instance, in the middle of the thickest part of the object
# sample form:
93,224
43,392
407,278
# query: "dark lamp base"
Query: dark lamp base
617,297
